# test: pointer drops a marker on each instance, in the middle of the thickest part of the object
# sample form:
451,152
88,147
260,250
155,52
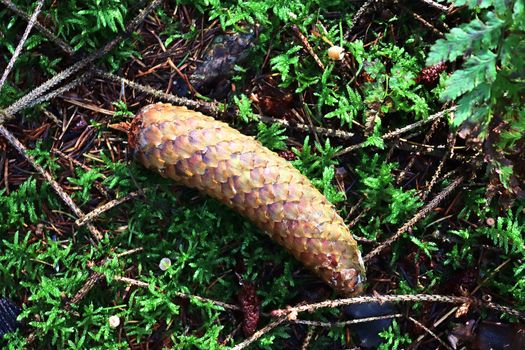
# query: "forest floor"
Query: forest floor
97,252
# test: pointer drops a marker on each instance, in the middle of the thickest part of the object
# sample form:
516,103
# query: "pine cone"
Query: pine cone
200,152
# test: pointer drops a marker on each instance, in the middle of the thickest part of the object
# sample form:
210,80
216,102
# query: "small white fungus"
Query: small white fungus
164,264
114,321
336,53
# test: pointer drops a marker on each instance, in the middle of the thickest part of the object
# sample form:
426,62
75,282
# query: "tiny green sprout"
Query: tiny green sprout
121,109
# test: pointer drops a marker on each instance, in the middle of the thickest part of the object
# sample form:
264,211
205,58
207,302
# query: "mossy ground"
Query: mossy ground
470,244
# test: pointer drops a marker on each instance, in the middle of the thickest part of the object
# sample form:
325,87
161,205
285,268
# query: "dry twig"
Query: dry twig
43,30
420,215
412,160
21,43
400,131
92,280
290,314
46,97
260,333
105,207
141,284
450,299
214,109
307,338
437,173
308,47
364,10
436,5
63,195
432,334
26,100
425,23
346,323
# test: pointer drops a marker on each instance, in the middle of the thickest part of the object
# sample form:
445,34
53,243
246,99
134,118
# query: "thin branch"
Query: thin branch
45,32
290,314
303,127
207,300
214,108
260,333
61,193
105,207
425,23
307,46
129,252
306,341
412,160
432,334
24,101
345,323
418,149
131,281
420,215
449,299
400,131
451,142
436,5
142,284
365,9
18,49
419,123
71,159
58,91
91,282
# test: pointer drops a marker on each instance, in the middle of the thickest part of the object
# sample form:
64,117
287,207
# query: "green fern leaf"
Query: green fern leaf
471,105
508,233
473,4
467,37
478,69
272,136
518,14
284,62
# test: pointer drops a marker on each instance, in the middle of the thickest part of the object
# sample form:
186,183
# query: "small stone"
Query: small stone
165,264
8,314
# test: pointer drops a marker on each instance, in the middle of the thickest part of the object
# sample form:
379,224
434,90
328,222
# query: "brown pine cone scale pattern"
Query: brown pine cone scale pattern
200,152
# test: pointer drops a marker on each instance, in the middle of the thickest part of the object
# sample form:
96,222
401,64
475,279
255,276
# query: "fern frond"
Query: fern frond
473,3
468,37
471,106
272,136
507,234
478,69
